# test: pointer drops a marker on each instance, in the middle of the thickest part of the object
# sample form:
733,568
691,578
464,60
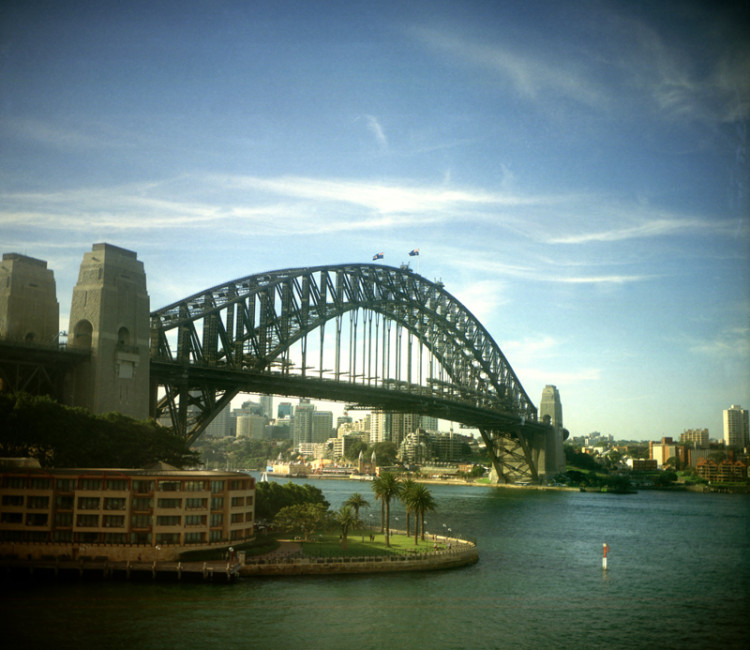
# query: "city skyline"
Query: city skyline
576,173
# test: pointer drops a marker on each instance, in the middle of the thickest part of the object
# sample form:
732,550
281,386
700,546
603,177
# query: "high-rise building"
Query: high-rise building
285,410
303,417
266,403
736,427
322,426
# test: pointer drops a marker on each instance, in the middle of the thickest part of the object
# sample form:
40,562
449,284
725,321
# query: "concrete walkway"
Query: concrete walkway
286,549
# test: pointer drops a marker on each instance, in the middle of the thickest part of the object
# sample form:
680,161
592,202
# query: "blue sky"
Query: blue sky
576,173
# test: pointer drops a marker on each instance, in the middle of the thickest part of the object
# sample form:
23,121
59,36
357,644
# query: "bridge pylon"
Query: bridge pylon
109,316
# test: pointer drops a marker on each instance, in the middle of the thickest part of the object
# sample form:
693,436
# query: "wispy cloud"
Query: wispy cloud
531,75
731,342
374,126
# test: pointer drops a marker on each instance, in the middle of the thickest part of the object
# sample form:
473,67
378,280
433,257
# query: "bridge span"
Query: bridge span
374,335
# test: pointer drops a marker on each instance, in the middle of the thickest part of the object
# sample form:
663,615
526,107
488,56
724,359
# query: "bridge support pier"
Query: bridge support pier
109,316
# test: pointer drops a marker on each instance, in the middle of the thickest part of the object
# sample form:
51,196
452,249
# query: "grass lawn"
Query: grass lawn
330,546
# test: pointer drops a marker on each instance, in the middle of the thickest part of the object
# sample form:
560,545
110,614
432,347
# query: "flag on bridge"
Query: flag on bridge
413,252
377,256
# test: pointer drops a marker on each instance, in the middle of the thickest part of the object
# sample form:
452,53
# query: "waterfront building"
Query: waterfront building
727,470
736,432
122,514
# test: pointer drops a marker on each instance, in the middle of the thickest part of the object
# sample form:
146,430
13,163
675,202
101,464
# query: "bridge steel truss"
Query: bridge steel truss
400,343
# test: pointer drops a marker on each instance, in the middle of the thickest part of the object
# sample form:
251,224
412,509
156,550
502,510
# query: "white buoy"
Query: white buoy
605,549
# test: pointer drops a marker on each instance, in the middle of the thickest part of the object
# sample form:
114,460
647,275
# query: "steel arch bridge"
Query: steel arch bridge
373,335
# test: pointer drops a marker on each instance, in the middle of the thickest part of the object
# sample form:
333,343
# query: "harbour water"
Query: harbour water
678,577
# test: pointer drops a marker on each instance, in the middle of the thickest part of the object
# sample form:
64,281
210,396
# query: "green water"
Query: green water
678,577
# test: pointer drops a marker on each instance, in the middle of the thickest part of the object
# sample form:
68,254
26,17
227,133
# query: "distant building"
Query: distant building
303,415
122,514
725,471
322,426
698,437
736,435
285,410
251,426
551,406
266,404
662,451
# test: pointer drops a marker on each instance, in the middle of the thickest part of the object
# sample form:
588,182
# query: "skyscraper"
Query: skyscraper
736,427
303,417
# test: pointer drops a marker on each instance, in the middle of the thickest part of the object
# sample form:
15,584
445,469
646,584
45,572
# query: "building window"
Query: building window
36,519
140,521
113,521
90,484
217,519
217,503
12,499
140,538
65,484
114,503
117,484
238,518
215,536
11,517
87,521
195,538
38,503
168,538
194,486
88,503
115,538
142,503
238,501
17,482
39,483
217,486
143,487
64,503
196,504
63,536
169,486
168,520
63,519
195,520
169,503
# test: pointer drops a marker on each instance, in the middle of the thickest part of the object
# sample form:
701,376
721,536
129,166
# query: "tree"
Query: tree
347,519
385,451
420,501
407,486
386,487
352,453
271,497
357,501
303,518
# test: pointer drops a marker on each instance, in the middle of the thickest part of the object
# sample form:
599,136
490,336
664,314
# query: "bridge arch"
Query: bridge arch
271,332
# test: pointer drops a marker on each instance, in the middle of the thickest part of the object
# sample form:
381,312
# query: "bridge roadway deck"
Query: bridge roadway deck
402,399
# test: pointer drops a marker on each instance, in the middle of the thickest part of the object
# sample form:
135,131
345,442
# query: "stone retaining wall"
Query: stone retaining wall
447,559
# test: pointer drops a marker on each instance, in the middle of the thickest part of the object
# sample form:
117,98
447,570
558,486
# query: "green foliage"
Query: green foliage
385,452
386,487
580,460
61,436
420,500
352,453
272,497
240,452
357,501
303,519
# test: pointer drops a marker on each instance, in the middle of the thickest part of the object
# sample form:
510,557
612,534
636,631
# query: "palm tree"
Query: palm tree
386,487
420,501
346,519
407,485
357,501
